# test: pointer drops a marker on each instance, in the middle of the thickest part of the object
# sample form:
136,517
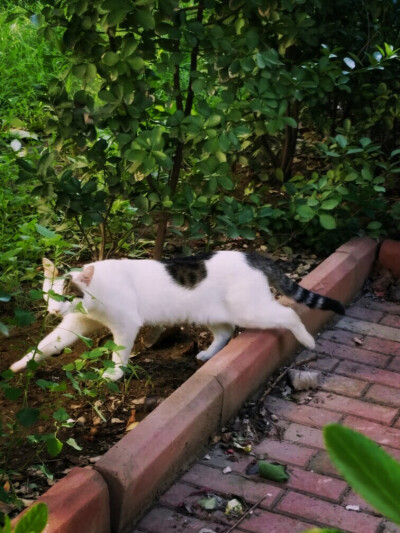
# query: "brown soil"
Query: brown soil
162,369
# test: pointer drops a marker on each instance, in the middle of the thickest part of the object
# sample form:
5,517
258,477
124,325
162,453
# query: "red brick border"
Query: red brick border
147,458
78,503
389,256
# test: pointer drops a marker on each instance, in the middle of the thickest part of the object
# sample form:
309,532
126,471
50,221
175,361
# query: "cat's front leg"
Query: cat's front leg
65,334
222,333
120,358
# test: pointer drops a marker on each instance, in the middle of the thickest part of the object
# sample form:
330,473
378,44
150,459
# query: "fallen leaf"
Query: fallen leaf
209,504
234,507
131,426
117,421
132,418
272,471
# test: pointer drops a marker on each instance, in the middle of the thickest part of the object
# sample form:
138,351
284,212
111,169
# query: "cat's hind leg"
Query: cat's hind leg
222,334
65,334
276,315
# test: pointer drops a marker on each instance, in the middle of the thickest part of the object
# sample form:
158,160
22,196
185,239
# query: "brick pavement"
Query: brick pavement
360,388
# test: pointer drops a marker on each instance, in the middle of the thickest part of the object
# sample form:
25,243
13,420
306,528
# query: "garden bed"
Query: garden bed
99,421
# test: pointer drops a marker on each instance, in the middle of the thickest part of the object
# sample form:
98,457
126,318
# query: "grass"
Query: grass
27,62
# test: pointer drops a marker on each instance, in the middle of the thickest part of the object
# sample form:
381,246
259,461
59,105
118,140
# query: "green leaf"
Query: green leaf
45,232
23,318
370,471
61,415
226,183
27,416
34,520
330,204
72,442
374,225
327,221
53,445
305,211
272,472
110,59
145,19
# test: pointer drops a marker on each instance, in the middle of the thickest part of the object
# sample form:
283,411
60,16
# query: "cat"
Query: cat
220,290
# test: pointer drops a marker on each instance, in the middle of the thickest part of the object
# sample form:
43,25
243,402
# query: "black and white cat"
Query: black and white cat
220,290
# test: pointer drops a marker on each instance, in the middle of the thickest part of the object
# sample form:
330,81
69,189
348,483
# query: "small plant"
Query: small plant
33,521
368,469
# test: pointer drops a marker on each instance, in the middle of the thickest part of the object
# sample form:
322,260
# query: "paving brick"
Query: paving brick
352,406
355,499
364,313
264,521
161,519
369,373
385,307
284,452
315,483
308,436
369,328
377,432
302,414
361,355
391,320
389,527
325,363
219,459
251,491
322,464
384,394
394,364
326,513
343,385
369,343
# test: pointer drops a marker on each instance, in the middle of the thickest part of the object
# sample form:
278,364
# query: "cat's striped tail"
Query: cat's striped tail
292,289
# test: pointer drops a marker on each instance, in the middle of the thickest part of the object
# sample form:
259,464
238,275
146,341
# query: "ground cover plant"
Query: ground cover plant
147,127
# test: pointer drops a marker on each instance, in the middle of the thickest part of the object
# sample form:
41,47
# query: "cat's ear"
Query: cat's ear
86,275
50,270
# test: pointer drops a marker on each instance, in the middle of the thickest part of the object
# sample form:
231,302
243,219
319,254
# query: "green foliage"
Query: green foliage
170,98
33,521
370,471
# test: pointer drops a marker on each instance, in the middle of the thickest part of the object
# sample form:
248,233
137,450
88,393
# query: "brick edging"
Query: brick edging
389,256
149,457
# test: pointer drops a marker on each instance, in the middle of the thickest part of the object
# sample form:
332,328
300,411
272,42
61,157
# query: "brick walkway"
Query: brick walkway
360,388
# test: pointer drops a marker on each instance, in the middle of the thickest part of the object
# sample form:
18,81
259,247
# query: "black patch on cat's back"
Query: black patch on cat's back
188,271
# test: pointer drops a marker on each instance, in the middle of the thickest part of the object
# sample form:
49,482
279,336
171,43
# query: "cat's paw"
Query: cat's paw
309,342
20,365
114,374
203,356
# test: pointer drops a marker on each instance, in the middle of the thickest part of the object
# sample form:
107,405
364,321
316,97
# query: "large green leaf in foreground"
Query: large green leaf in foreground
370,471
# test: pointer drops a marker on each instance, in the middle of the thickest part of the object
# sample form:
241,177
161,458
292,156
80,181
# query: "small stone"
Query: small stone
227,470
352,507
274,418
207,457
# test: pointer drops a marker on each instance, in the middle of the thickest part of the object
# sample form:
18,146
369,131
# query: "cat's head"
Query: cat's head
72,287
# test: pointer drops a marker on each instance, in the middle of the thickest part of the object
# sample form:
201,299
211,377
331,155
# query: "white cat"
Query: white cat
218,290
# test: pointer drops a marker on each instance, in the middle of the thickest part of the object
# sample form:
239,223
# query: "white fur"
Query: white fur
124,295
